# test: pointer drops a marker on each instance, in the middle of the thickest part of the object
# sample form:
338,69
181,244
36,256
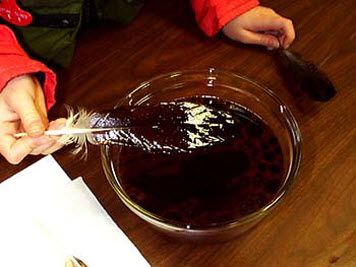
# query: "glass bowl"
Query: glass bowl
227,86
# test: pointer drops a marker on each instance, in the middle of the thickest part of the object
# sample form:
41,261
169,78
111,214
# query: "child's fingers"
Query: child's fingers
56,146
15,151
31,119
53,144
249,37
54,125
289,36
285,26
250,26
57,124
41,148
24,96
279,24
47,148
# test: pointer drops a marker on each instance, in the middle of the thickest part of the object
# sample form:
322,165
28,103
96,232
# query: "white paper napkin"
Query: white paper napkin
45,217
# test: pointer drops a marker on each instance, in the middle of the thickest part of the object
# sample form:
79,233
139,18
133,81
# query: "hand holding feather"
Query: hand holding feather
169,127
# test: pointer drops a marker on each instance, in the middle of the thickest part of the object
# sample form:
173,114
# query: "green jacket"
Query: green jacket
52,35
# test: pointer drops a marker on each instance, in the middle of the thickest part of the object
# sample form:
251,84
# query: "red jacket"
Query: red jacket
211,16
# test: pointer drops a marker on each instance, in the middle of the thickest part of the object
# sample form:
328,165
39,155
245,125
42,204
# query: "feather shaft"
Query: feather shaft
70,131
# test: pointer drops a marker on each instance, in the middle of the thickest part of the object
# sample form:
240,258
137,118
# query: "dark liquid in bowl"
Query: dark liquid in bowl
212,185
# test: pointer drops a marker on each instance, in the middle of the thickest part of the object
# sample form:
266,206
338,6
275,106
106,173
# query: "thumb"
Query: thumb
267,40
30,115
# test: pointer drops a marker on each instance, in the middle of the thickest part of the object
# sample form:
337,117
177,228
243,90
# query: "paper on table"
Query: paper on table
45,218
22,242
44,177
92,235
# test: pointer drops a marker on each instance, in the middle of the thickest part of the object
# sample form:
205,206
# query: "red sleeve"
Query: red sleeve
212,15
14,62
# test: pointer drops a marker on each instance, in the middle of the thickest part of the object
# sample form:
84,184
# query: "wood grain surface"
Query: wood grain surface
315,225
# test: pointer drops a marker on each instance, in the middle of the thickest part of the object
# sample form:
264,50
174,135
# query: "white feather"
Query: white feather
77,121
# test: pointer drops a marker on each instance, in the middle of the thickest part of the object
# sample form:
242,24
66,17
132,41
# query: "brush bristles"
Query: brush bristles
78,120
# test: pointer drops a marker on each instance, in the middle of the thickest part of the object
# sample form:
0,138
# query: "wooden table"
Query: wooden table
315,225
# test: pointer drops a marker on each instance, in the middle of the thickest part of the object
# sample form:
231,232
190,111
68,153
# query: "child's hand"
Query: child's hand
261,26
22,108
